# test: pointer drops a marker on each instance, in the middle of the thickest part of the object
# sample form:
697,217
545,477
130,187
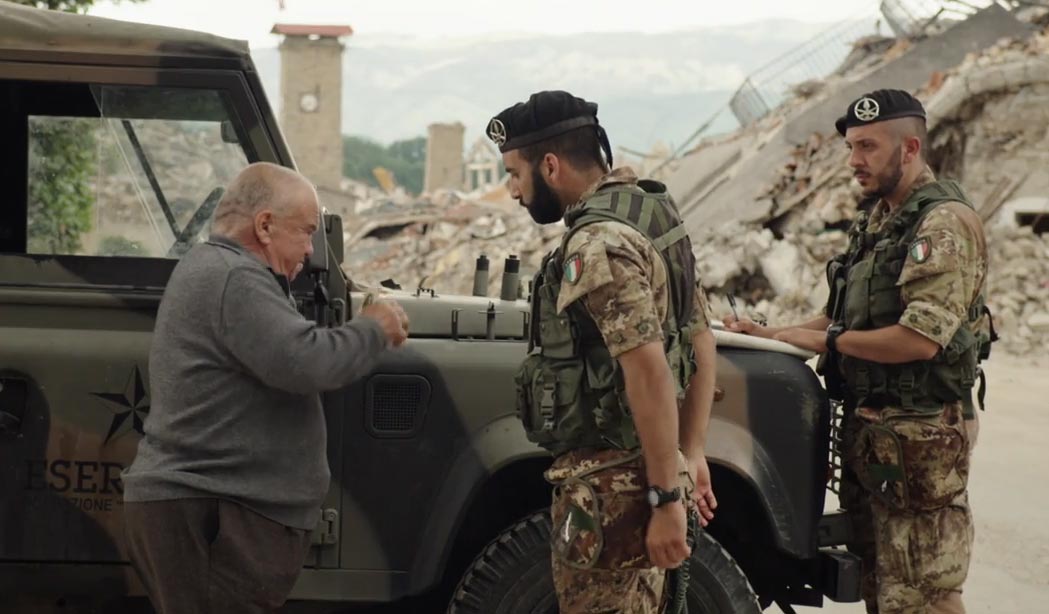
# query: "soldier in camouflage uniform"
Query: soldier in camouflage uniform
619,379
902,335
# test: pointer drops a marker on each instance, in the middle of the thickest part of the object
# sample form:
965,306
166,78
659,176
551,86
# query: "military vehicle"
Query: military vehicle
117,141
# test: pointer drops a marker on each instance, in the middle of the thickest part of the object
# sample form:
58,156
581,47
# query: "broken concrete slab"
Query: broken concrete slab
735,196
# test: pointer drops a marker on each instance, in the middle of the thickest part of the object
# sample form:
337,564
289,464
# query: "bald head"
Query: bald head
260,186
273,212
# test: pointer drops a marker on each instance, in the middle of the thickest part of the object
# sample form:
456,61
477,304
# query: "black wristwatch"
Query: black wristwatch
833,332
657,497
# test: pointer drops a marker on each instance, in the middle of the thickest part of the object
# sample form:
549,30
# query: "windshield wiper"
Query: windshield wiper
140,153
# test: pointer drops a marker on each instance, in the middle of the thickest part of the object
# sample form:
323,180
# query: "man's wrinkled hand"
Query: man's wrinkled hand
745,326
666,538
703,493
391,318
811,340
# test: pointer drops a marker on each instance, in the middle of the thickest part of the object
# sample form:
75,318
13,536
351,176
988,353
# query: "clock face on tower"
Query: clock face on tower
308,103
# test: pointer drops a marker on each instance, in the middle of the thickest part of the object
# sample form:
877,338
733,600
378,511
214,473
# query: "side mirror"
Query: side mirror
229,133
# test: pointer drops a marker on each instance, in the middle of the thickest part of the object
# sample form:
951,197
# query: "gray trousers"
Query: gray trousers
211,556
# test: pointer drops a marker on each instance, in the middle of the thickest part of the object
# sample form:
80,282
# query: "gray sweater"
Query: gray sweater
234,375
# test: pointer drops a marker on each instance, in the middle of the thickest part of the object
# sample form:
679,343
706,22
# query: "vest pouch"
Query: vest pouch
962,347
555,330
523,385
912,462
857,291
885,301
611,411
600,377
552,411
867,382
954,375
836,276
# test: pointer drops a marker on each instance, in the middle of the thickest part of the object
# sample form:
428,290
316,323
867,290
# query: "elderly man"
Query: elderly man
231,472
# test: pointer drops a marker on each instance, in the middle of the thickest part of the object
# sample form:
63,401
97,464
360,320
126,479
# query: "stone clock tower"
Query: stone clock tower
311,99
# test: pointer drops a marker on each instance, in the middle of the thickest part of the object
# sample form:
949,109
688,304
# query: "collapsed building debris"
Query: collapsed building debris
989,129
434,241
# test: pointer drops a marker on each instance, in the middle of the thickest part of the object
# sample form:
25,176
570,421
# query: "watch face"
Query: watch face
308,103
653,498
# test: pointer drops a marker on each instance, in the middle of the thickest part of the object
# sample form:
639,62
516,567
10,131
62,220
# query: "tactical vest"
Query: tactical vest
865,296
570,391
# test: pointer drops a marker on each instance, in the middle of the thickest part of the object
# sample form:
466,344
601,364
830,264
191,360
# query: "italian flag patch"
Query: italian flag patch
573,268
920,250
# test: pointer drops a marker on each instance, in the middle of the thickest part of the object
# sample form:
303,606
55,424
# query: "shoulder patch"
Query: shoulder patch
573,268
920,250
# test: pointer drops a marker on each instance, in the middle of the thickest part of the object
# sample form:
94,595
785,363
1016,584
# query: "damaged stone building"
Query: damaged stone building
769,204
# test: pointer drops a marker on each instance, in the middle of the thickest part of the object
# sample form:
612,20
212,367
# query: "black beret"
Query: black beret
545,115
879,106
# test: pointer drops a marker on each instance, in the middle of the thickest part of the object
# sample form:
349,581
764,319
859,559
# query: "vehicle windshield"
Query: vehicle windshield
140,179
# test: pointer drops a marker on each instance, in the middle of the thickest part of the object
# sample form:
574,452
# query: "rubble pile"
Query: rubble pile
779,280
989,129
814,189
988,141
1018,289
434,242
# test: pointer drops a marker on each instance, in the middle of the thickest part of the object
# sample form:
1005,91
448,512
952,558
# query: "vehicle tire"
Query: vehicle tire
512,576
716,583
512,573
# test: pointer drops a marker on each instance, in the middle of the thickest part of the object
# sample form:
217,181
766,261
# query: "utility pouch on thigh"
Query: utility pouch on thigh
878,459
936,459
577,539
915,463
600,515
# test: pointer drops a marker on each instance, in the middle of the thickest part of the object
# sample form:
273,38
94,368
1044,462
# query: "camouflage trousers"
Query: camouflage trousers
600,515
905,487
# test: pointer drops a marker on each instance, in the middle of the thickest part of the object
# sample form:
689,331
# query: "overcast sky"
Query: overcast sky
252,19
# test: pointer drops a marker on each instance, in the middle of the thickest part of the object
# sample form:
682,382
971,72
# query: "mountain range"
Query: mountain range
651,87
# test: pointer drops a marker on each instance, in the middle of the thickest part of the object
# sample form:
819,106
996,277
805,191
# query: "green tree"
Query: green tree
120,246
60,169
405,159
408,163
412,150
360,156
62,164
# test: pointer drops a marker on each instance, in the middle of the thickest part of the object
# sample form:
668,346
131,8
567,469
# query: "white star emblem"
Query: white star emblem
866,110
497,132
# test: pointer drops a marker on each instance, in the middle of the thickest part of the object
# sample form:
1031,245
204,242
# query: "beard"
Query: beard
886,181
545,208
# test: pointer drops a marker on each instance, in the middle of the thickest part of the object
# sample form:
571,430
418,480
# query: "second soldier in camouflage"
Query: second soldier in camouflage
619,378
904,328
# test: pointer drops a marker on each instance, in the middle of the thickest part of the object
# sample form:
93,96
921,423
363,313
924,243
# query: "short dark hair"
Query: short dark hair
580,147
916,127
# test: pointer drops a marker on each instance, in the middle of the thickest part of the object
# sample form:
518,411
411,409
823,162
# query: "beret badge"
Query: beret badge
497,131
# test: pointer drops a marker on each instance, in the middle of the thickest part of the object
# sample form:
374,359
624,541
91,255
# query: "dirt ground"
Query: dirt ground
1009,493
